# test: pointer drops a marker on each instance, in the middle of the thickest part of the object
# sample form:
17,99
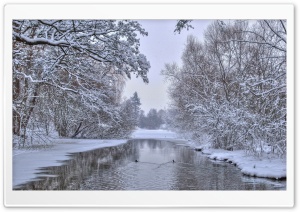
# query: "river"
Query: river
146,165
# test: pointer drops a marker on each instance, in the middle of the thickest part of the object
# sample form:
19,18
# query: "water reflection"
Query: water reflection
114,168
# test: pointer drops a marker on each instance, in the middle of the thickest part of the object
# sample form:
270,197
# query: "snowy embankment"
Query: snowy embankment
262,166
154,134
27,162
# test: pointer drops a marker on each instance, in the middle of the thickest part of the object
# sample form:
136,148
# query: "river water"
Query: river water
146,165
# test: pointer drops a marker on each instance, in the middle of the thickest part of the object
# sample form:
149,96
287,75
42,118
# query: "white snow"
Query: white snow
155,134
26,163
259,166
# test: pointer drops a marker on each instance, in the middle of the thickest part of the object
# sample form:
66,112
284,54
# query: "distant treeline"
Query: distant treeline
153,120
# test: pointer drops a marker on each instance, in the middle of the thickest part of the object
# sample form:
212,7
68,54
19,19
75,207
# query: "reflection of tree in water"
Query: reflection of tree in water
195,172
185,177
185,155
153,144
70,175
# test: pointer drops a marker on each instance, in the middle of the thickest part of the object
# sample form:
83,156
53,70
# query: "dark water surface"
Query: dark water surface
114,168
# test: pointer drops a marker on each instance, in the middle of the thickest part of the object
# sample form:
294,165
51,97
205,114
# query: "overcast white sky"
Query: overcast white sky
161,46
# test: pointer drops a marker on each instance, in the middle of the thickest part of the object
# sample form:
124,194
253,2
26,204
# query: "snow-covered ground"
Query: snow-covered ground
263,166
27,162
161,134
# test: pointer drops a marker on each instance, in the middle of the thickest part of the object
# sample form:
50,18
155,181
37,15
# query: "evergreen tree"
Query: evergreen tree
142,119
136,103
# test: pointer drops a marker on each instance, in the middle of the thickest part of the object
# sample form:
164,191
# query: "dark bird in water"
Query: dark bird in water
173,161
136,161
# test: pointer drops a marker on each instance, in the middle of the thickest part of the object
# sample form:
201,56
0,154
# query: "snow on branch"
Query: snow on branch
37,41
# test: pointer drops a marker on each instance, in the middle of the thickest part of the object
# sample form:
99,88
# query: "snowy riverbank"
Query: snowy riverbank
265,166
154,134
26,163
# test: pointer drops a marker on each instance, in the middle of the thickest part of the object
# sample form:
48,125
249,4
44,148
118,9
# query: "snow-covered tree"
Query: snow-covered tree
75,66
233,85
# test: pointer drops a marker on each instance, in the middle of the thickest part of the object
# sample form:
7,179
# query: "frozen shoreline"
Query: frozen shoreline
264,166
27,162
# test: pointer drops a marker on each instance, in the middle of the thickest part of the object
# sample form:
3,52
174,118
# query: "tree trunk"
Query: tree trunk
16,115
31,103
